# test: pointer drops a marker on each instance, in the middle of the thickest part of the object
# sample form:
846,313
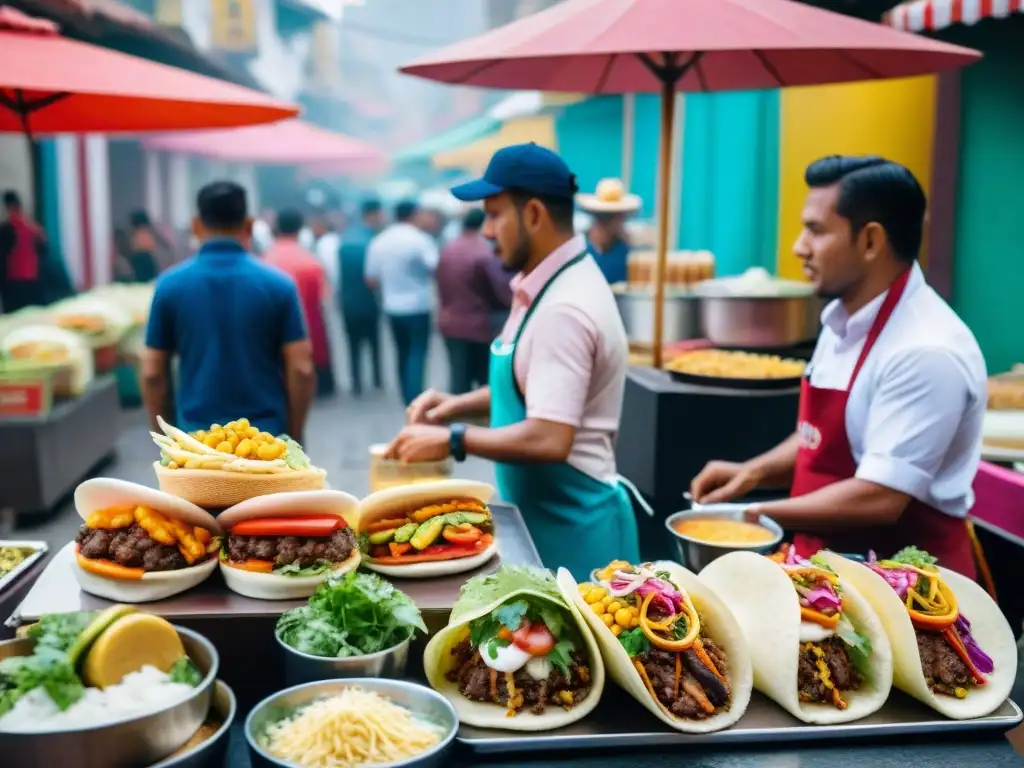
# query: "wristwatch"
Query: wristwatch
457,441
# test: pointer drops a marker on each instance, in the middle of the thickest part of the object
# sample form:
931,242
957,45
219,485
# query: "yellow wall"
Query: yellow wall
893,118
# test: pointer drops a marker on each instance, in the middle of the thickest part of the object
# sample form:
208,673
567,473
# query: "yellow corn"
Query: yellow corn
608,619
595,595
607,600
623,618
597,608
616,630
585,588
225,447
566,698
614,606
242,423
244,448
211,440
172,465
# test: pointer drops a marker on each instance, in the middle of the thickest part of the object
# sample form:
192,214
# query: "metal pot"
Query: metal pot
681,320
132,741
759,321
302,667
695,554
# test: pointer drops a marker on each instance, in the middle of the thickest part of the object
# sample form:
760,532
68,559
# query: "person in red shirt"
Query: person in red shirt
22,249
311,281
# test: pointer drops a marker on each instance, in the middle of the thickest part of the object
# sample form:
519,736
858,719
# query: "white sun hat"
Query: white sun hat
610,197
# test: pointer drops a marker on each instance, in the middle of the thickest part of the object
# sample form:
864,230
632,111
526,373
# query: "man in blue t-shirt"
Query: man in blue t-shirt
236,327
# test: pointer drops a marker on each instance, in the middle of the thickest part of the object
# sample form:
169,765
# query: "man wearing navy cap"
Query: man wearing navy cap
552,435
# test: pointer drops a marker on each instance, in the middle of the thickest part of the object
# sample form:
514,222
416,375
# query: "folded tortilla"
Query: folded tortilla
989,628
438,660
762,598
721,626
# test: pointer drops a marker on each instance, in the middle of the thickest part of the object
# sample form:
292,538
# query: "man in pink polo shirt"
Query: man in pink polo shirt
552,434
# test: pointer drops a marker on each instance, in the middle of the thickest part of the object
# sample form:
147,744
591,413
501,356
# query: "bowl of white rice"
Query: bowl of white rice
137,722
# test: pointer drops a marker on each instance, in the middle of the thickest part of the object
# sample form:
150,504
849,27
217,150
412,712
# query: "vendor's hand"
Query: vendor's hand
420,442
428,408
722,481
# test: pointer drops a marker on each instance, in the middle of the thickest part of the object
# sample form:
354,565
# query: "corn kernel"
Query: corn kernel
210,441
597,608
624,618
244,448
251,432
595,594
614,606
607,600
216,428
616,630
634,622
200,435
608,619
242,423
172,465
585,587
225,447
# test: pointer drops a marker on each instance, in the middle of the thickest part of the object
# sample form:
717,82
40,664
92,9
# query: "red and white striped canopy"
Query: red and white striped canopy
933,15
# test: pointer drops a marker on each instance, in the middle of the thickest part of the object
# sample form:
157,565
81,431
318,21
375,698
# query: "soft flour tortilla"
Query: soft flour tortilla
988,626
764,602
721,627
402,499
107,493
437,660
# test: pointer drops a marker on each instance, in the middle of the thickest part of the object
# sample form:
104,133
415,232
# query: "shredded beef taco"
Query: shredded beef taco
516,654
952,647
669,642
817,647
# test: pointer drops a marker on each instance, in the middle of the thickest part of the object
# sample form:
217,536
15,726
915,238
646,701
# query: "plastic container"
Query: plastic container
385,473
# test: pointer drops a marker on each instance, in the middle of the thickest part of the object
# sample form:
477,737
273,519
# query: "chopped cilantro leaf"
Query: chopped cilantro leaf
635,642
560,655
510,615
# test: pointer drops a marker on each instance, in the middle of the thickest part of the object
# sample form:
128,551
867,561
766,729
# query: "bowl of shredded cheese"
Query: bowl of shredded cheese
352,723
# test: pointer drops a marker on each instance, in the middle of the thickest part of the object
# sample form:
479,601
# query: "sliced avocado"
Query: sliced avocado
382,537
473,518
403,534
96,627
428,532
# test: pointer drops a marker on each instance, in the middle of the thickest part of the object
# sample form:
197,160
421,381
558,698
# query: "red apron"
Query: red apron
824,458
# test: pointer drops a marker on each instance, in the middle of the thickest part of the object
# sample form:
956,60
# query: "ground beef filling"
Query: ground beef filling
478,682
131,547
699,693
286,550
944,671
815,684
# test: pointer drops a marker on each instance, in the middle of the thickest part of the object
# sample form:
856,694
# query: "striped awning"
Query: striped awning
933,15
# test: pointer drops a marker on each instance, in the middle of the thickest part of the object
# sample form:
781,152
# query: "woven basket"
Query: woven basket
218,489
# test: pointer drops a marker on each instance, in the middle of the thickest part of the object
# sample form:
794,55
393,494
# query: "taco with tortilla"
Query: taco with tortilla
817,647
516,654
668,641
962,667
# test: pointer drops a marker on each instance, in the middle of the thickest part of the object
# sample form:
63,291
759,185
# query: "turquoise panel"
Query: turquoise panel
988,273
646,129
49,217
589,135
730,178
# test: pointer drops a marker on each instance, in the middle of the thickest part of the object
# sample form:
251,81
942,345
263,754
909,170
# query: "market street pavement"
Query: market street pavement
338,435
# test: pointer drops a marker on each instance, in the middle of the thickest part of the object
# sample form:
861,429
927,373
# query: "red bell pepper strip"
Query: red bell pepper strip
313,526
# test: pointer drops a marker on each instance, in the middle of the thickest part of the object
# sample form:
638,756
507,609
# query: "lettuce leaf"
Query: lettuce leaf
46,668
59,631
294,569
486,589
294,456
857,646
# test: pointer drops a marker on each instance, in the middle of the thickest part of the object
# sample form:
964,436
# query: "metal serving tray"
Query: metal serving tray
40,548
619,721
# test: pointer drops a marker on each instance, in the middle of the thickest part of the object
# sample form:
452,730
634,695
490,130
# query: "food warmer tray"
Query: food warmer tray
40,548
729,382
620,721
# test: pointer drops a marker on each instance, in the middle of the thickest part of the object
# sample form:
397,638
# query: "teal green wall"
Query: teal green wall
589,135
988,274
646,130
50,215
730,190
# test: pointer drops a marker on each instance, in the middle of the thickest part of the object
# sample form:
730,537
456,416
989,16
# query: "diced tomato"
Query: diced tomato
313,526
383,525
399,549
380,551
534,638
253,566
463,535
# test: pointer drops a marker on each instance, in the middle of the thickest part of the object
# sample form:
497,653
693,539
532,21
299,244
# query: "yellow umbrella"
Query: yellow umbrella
476,155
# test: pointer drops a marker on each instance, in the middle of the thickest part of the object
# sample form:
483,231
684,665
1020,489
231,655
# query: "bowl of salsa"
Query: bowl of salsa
708,532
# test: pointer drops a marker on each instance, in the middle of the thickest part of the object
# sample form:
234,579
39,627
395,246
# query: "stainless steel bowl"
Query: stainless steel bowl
695,554
680,321
759,321
302,667
134,741
423,702
212,752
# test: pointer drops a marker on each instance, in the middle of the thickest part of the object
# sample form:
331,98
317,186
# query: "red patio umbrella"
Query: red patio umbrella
634,46
289,142
52,84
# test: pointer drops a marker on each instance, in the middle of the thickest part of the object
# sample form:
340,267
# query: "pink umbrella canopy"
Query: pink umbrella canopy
290,142
635,46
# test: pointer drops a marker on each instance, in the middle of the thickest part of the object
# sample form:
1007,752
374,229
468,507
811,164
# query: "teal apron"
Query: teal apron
576,521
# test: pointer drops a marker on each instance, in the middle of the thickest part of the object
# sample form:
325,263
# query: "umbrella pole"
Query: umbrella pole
668,111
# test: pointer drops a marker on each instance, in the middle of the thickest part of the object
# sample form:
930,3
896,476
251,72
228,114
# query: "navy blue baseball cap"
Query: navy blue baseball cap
526,167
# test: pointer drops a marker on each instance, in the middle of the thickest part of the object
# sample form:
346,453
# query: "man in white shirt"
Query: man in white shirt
889,430
402,260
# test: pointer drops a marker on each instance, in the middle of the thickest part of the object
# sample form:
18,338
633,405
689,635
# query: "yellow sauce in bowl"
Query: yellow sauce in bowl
723,532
